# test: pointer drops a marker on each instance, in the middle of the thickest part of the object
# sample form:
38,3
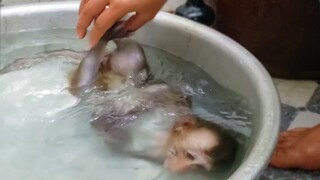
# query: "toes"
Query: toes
292,149
288,138
281,139
289,141
298,129
293,131
291,134
285,144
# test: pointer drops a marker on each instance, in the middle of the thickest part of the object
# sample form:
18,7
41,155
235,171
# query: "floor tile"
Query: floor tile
280,174
295,93
288,114
305,119
314,103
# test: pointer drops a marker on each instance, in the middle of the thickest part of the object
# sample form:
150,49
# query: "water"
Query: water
38,142
209,99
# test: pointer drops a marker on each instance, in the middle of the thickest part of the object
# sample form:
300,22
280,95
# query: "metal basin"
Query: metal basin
223,59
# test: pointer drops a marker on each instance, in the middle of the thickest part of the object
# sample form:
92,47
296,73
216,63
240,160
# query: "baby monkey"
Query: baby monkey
139,121
126,63
156,123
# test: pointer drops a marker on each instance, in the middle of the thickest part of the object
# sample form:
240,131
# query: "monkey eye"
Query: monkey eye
190,156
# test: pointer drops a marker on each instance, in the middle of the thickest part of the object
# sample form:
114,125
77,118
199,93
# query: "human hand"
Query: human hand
105,13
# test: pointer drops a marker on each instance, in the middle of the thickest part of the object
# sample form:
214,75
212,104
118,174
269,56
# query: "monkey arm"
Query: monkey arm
88,69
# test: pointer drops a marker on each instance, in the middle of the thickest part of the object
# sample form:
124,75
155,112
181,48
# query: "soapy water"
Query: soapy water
40,140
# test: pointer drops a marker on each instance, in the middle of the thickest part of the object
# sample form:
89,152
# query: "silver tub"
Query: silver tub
226,61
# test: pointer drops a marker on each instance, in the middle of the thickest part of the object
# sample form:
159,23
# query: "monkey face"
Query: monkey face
190,148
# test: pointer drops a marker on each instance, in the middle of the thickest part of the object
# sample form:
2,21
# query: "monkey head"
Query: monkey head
198,144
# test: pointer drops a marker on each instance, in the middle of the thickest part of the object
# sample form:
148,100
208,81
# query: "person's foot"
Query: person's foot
298,148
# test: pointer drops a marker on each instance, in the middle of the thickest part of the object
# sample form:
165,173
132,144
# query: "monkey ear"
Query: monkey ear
184,123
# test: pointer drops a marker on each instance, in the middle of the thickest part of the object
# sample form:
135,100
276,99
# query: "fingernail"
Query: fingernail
80,33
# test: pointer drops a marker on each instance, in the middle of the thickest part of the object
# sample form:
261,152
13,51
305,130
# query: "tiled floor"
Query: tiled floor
300,105
300,108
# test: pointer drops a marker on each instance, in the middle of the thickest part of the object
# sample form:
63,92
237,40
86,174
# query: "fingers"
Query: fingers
144,14
80,33
288,142
91,9
106,19
137,21
83,2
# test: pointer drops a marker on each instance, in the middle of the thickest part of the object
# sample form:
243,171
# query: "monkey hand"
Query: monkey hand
107,12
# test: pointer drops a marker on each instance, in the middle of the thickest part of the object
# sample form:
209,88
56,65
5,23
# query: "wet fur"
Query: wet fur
124,106
88,71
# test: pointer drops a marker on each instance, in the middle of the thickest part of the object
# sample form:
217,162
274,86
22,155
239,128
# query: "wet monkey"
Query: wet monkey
157,123
127,62
151,121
